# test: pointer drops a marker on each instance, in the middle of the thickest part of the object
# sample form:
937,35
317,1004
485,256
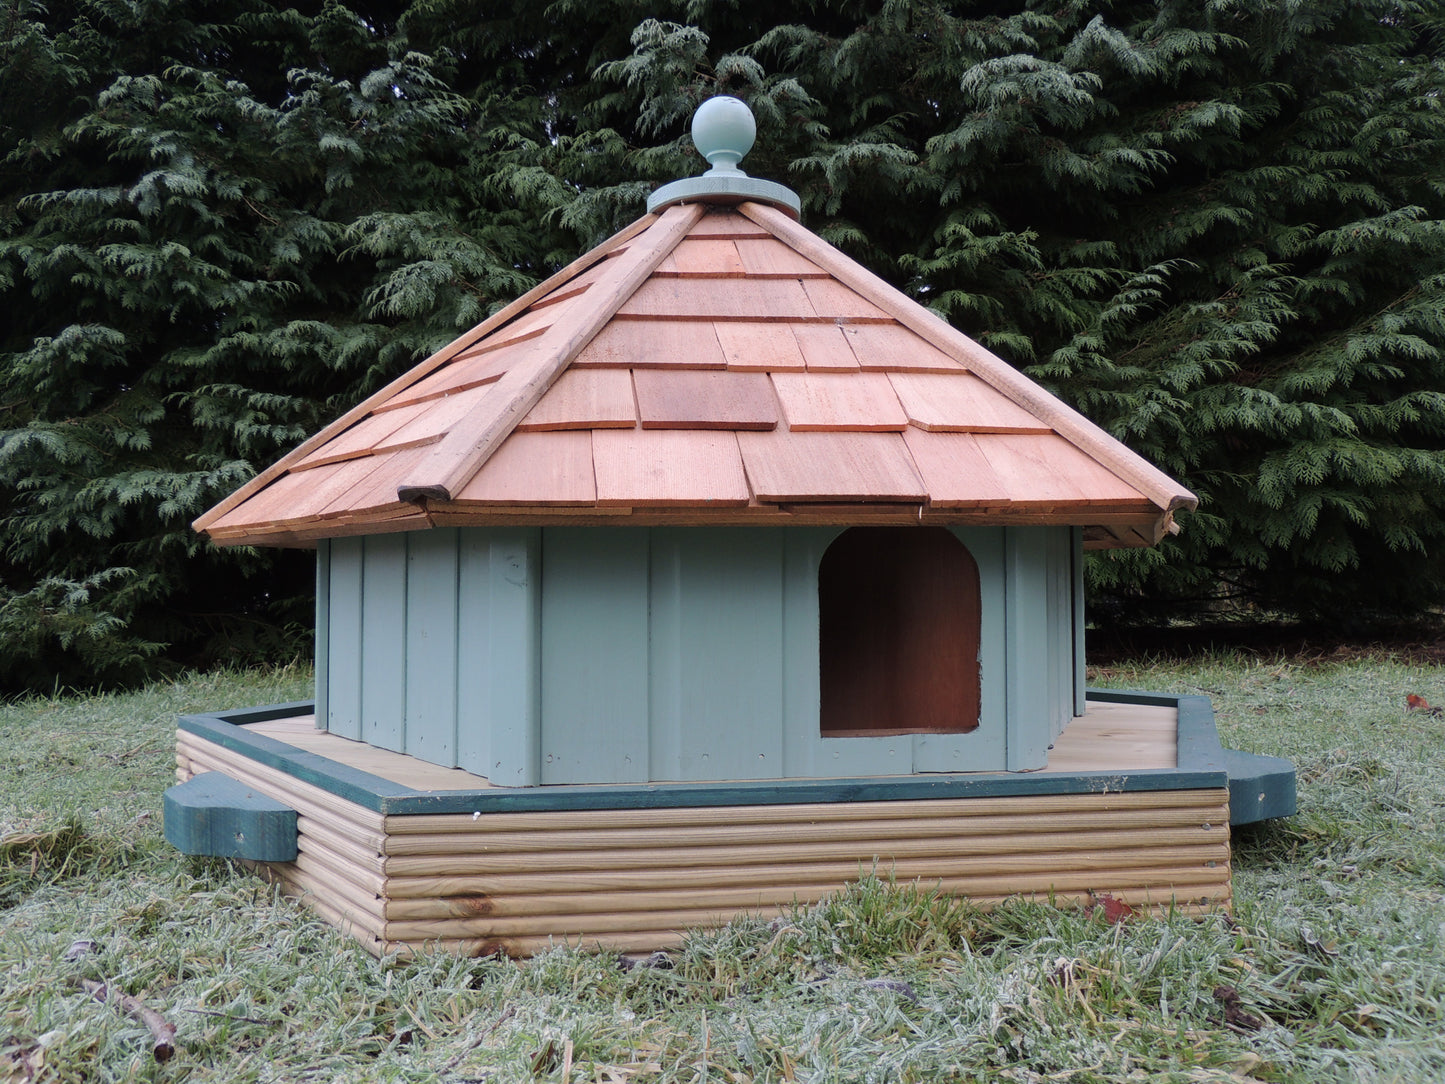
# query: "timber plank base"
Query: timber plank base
630,868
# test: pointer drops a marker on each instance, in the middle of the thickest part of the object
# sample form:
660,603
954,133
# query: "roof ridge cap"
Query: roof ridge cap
1107,450
454,460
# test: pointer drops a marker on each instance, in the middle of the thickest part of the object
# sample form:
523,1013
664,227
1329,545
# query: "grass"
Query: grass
1332,967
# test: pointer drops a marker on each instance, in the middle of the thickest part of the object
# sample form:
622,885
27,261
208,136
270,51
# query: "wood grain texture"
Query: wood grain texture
712,299
459,375
825,348
771,258
676,399
362,437
1038,810
703,258
758,347
667,467
584,399
728,223
511,882
838,402
832,300
955,470
891,347
788,466
300,732
436,419
552,468
1049,471
635,344
960,403
899,616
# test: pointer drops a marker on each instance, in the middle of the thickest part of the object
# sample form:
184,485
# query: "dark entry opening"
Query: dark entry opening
899,620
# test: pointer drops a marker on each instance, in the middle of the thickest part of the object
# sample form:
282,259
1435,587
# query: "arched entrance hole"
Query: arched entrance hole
899,620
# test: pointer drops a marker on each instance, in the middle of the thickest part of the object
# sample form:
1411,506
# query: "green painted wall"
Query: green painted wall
626,655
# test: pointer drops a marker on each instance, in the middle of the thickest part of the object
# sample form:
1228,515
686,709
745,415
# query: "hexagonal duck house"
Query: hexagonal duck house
703,575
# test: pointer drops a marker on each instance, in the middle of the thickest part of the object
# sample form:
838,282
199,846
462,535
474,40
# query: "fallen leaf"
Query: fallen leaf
1419,703
1113,909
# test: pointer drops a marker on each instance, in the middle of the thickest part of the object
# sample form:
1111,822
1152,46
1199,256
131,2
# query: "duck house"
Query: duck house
701,578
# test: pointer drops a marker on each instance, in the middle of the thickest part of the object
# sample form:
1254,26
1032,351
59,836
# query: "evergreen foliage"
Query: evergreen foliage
1216,228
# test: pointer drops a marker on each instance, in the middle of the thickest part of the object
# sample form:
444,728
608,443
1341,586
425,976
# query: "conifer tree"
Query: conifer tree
220,224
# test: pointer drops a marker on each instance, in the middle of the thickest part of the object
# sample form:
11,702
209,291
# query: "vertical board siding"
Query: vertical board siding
383,640
343,639
512,700
571,655
716,703
474,651
594,655
1061,631
984,749
431,645
1076,571
323,630
1026,641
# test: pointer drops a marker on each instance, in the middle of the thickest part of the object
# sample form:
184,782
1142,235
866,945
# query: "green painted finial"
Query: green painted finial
723,131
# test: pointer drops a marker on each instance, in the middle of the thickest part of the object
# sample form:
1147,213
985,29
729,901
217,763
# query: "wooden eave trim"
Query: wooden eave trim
453,461
1125,528
1158,487
426,368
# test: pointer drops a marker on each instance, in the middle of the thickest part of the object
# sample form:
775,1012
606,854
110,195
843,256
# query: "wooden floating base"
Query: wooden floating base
636,877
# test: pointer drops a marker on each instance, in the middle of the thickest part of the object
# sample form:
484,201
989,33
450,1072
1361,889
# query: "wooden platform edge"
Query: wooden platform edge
1204,770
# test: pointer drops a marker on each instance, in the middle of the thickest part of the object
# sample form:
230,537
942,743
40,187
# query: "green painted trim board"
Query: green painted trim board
1202,765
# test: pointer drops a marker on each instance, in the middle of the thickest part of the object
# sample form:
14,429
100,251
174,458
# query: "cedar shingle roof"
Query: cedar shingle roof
707,365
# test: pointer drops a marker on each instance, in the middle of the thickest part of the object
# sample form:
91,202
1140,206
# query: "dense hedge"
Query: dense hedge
1216,228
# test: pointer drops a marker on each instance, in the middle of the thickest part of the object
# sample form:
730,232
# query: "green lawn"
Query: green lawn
1332,966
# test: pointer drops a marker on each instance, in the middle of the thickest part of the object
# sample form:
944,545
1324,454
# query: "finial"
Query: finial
723,131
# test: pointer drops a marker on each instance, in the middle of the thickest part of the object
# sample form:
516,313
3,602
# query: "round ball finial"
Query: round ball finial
723,131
